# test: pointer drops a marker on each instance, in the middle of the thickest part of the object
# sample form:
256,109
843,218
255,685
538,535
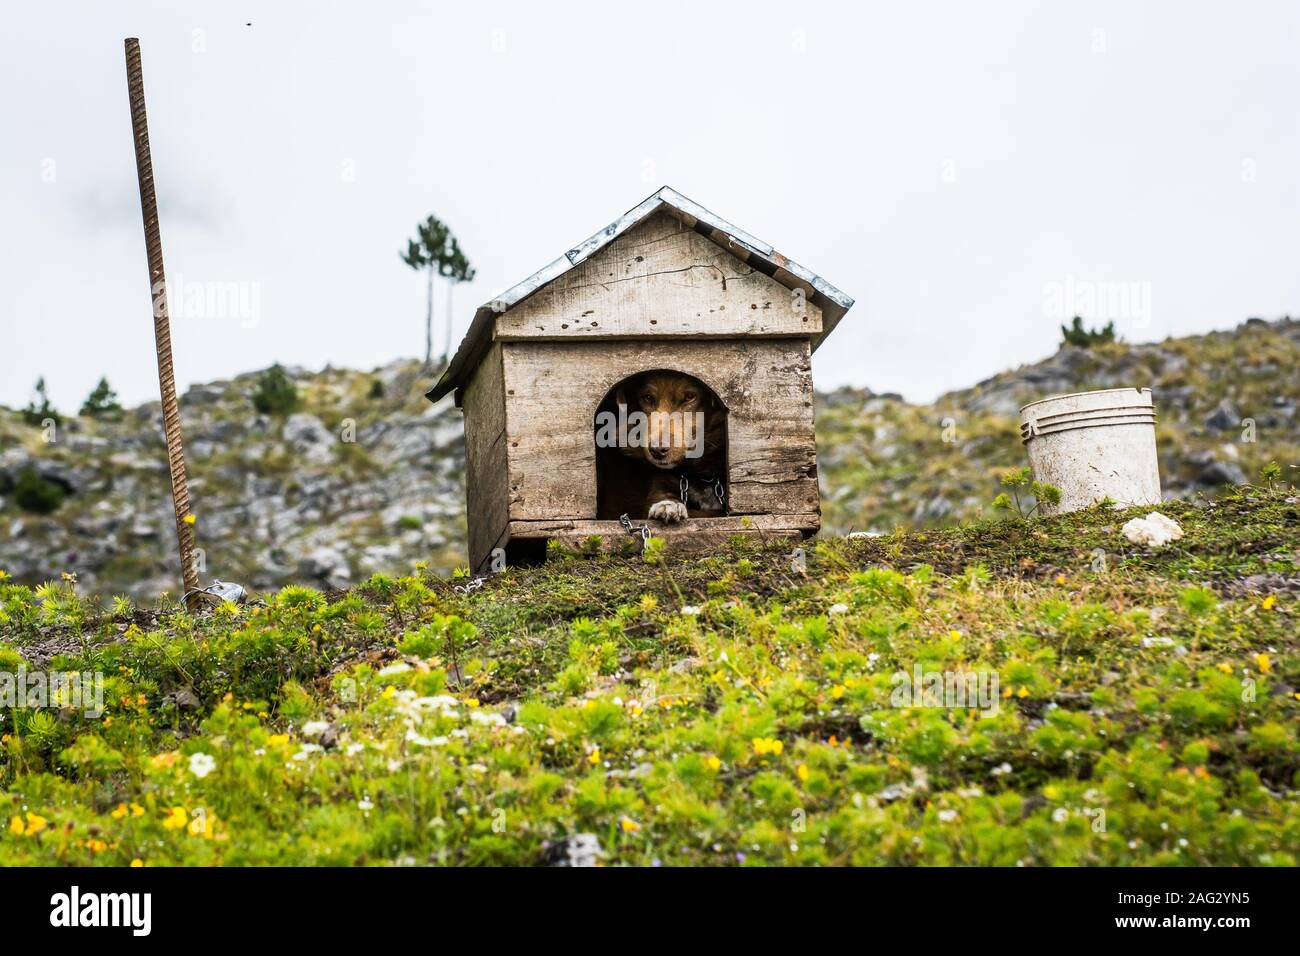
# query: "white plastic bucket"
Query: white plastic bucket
1093,446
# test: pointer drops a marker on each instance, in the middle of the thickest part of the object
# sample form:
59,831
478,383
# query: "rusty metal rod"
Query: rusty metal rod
161,325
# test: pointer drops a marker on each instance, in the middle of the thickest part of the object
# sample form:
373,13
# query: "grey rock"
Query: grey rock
1222,473
1225,418
309,438
579,849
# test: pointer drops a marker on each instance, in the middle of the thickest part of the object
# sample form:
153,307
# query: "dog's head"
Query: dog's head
678,415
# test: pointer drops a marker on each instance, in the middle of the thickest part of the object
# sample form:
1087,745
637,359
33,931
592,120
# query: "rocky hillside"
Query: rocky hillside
1226,404
366,476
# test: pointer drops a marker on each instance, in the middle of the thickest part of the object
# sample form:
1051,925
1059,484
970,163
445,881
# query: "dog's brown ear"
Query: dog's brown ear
625,386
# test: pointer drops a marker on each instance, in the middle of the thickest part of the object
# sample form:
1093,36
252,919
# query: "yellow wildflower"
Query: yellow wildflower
1225,667
119,811
164,760
16,825
954,635
137,862
837,691
35,823
177,819
137,810
713,763
629,825
802,773
1060,579
767,745
1268,602
277,740
593,758
1023,692
1265,665
190,519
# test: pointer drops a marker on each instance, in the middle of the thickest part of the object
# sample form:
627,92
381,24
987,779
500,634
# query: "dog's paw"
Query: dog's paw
669,511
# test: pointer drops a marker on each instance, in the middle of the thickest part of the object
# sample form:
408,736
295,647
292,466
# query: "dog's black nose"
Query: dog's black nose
659,454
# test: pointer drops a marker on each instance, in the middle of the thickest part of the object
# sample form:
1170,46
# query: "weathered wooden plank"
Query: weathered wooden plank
697,534
661,279
553,390
732,524
486,463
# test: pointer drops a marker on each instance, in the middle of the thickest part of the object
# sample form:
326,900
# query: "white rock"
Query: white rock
1155,530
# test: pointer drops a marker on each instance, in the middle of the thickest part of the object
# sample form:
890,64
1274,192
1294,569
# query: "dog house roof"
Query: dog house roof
754,252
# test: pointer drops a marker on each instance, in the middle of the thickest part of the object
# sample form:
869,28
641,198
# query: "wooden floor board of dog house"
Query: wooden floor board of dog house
694,535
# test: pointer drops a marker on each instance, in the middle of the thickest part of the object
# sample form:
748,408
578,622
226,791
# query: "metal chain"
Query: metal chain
643,530
719,490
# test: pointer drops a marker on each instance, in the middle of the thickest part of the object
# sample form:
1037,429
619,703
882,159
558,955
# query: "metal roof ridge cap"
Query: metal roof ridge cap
603,237
679,202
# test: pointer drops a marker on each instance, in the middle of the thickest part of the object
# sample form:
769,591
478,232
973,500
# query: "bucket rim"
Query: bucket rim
1096,391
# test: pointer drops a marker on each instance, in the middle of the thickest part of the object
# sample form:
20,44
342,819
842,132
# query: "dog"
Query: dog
678,454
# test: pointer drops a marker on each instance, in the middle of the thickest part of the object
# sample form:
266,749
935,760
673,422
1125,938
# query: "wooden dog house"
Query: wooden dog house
667,286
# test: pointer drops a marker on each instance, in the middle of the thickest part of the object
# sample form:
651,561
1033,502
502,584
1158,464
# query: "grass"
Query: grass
742,709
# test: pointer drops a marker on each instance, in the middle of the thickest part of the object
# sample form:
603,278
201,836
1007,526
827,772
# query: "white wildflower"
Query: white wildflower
202,764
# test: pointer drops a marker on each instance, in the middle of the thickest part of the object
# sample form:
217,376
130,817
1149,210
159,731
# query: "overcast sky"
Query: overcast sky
969,172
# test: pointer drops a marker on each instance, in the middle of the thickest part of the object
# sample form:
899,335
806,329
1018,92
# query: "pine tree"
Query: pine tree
436,250
102,401
39,409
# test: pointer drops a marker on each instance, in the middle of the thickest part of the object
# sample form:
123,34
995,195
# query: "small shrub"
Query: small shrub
37,495
275,394
1076,334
